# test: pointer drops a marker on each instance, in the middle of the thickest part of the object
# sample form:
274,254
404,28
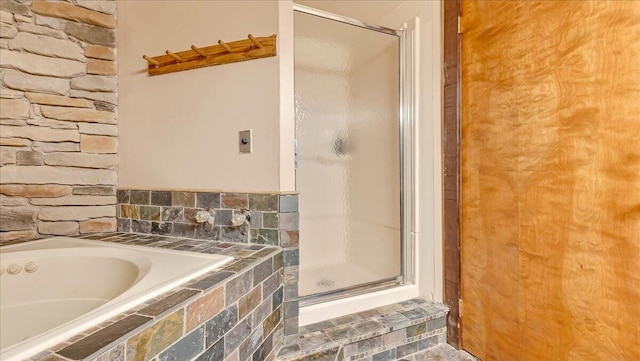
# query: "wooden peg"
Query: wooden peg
253,40
151,60
199,51
225,46
178,59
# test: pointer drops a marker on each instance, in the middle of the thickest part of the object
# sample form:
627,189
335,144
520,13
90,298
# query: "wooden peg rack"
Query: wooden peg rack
223,53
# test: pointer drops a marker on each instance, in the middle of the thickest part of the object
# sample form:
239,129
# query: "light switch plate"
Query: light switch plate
244,141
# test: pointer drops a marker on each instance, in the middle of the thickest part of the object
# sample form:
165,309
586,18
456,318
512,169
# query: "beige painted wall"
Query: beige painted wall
180,130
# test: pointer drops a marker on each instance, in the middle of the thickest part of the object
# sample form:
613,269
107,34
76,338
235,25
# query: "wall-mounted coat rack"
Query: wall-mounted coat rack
223,53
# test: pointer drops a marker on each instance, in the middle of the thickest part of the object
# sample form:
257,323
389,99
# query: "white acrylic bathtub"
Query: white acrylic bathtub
80,283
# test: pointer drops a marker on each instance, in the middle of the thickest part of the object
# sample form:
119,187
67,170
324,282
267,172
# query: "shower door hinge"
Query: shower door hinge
459,24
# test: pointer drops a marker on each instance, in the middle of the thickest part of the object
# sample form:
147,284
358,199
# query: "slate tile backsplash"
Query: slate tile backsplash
173,214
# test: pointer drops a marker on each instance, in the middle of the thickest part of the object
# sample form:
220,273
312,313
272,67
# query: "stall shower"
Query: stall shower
347,103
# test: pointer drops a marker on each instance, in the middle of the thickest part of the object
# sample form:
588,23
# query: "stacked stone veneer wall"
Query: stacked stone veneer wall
58,110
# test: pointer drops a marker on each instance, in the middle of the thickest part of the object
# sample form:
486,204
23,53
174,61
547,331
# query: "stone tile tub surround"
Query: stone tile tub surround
58,111
274,221
95,281
233,313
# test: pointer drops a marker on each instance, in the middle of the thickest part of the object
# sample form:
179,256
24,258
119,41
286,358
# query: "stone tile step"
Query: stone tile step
442,352
393,330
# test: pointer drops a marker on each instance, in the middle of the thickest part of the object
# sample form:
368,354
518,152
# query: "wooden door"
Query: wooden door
550,245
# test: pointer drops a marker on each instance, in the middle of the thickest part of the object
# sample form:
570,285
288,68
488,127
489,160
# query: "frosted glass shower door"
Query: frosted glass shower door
348,135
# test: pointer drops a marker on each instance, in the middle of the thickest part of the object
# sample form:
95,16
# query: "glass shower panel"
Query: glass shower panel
347,129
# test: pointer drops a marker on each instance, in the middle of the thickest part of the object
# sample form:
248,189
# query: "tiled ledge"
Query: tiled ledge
442,352
232,313
385,333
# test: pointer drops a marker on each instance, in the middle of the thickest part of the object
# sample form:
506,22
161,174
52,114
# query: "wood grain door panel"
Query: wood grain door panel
550,255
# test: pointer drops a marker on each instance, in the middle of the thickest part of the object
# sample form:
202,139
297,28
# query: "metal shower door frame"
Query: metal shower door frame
408,170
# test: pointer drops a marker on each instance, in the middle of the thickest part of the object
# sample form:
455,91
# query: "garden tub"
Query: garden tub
55,288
